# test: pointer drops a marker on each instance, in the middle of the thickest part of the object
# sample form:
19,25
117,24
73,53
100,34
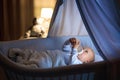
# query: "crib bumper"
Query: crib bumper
94,71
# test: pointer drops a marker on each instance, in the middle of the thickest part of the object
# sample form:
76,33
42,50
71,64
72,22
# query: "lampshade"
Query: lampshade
46,12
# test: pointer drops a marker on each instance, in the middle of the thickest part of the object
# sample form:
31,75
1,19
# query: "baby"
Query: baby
86,55
53,58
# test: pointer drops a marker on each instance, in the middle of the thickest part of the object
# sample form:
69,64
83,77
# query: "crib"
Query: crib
92,71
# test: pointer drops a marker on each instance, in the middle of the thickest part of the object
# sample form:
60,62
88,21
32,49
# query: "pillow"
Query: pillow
98,58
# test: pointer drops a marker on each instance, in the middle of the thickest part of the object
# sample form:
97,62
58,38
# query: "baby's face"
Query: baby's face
86,56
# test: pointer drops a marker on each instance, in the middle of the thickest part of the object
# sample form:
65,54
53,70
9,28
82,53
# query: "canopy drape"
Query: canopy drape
101,18
16,17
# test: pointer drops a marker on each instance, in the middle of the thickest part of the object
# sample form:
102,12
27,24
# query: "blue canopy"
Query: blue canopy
101,18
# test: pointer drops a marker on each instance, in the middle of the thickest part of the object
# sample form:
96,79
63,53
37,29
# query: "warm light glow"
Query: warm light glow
46,12
44,20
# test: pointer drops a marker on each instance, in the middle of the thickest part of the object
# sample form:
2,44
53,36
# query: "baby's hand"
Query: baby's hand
75,43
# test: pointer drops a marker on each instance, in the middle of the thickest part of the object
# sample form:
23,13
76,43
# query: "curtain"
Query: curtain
102,21
68,21
16,17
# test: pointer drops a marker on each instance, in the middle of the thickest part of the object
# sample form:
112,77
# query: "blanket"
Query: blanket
34,59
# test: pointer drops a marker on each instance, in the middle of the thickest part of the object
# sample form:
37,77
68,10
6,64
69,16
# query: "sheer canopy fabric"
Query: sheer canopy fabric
68,21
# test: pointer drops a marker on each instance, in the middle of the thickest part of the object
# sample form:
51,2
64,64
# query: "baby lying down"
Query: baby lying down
53,58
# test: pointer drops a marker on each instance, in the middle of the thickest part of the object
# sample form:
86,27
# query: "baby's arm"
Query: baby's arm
73,58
